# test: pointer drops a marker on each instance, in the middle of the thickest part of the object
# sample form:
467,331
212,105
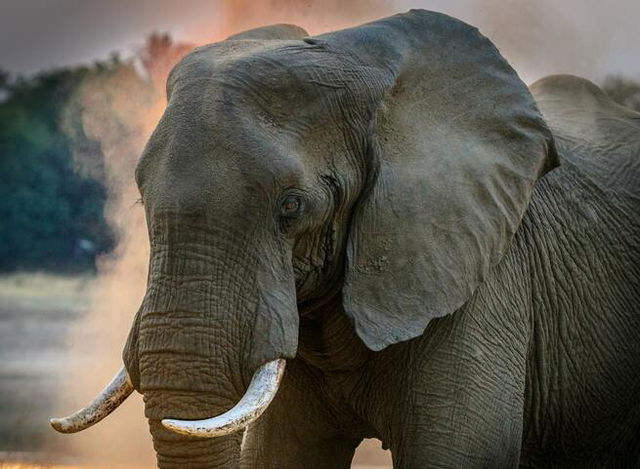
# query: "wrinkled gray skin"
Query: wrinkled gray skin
326,199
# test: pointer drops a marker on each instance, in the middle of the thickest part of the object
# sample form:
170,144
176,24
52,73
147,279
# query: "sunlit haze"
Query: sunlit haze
583,37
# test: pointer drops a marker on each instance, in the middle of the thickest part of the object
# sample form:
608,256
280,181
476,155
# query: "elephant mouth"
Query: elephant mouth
261,391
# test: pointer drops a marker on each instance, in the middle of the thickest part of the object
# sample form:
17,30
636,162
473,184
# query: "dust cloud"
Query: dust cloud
588,38
316,16
120,113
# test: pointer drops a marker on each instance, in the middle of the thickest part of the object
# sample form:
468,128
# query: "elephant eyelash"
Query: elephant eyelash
138,201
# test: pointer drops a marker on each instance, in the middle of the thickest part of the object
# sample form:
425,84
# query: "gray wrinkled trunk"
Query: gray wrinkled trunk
210,317
185,374
179,452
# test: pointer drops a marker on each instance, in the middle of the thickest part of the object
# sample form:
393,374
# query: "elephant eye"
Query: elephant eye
290,206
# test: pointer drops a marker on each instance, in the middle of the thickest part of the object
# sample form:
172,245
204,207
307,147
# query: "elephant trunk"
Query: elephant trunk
185,386
176,442
174,451
213,316
189,369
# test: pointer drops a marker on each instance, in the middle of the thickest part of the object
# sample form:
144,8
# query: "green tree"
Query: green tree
52,167
46,207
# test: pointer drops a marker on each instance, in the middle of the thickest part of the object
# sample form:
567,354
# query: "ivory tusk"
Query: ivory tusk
262,389
106,402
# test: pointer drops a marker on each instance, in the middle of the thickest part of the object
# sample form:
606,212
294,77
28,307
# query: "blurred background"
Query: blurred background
81,88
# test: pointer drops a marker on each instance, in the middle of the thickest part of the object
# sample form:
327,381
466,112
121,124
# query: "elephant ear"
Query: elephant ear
456,146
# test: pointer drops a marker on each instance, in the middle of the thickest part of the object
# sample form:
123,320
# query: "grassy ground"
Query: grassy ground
39,465
36,313
42,291
369,456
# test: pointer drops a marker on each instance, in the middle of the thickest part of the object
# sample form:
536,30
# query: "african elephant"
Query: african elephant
385,210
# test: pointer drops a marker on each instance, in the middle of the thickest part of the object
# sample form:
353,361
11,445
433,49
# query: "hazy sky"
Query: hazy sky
585,37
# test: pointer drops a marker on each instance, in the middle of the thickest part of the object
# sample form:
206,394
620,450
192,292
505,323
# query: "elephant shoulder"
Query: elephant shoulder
596,137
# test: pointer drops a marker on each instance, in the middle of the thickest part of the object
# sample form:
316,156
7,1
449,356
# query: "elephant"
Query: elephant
382,232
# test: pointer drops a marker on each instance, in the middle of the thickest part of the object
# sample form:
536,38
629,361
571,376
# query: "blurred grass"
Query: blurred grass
44,291
36,311
40,465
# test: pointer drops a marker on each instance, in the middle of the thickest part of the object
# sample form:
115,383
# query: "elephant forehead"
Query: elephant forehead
284,81
215,157
238,120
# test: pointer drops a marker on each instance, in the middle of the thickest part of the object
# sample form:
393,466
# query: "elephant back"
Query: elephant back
595,135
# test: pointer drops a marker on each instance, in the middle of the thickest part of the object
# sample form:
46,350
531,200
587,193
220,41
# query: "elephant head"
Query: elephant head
389,163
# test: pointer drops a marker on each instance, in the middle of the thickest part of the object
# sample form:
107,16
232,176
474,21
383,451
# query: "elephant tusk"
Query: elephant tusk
262,389
106,402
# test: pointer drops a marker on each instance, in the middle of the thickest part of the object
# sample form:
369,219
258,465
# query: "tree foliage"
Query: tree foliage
46,208
51,207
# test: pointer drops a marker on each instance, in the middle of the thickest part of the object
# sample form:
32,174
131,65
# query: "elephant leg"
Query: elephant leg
298,430
463,406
